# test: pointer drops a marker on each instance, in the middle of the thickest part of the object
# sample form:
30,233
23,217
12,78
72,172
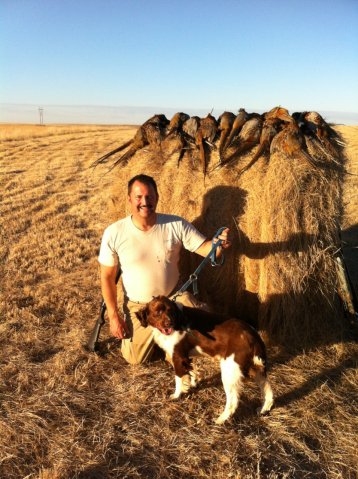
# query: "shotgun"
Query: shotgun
93,343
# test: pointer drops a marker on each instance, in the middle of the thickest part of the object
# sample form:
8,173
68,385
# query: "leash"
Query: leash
193,278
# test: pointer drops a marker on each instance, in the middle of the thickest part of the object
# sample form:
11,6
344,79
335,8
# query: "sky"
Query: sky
138,56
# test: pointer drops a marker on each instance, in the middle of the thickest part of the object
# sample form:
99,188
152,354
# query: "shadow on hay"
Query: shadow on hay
330,376
350,254
218,285
260,250
302,317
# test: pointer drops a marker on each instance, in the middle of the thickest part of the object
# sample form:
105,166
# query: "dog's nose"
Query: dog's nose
168,322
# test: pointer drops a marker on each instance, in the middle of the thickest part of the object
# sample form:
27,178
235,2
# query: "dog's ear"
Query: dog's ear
142,316
178,316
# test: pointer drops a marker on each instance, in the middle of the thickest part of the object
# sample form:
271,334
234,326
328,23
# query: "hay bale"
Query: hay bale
299,234
284,216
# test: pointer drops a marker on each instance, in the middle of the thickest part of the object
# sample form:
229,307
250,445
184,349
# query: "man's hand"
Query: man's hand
118,326
205,248
224,237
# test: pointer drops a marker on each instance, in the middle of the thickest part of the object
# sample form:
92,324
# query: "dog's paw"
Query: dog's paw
174,396
263,411
221,419
186,383
193,379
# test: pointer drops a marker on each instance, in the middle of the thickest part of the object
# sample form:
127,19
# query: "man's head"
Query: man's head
142,196
145,179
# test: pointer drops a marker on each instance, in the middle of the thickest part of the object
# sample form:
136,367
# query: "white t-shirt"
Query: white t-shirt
148,259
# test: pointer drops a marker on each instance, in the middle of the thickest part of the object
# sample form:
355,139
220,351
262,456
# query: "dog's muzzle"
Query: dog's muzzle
168,327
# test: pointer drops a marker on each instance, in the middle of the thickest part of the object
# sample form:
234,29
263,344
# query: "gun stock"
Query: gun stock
93,340
93,343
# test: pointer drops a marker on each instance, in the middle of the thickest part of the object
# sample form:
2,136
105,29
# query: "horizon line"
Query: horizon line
28,113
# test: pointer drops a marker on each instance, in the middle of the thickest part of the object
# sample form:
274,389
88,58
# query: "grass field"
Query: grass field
66,413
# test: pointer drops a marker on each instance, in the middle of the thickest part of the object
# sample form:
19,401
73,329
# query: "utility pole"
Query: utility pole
41,112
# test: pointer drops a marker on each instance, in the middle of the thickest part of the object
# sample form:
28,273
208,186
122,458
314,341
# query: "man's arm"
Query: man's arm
205,248
117,326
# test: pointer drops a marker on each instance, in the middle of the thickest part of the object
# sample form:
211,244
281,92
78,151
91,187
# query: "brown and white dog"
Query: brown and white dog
183,332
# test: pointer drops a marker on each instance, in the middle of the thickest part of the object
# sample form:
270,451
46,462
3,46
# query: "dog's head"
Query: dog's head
160,313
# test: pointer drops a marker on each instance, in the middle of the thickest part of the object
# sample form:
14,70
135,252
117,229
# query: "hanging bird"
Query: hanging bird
318,131
175,128
188,135
248,137
155,129
151,132
279,113
239,122
206,135
290,141
225,122
270,129
317,125
209,128
191,127
176,123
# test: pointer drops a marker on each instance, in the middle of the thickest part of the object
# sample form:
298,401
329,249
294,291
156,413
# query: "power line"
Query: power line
41,113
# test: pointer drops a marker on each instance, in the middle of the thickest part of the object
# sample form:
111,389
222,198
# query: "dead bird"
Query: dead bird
151,132
205,136
290,141
191,126
176,123
270,128
239,122
248,137
225,123
279,113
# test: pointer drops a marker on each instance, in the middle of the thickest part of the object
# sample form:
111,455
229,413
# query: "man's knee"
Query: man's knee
136,353
132,358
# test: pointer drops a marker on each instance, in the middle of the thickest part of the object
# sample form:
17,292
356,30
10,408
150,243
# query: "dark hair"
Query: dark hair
145,179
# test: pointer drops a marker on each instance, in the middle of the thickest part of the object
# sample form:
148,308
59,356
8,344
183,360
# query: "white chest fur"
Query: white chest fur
165,342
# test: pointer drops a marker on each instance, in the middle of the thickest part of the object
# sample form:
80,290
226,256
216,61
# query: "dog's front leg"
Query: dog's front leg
183,379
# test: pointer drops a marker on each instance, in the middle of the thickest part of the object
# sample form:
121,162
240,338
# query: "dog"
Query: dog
183,332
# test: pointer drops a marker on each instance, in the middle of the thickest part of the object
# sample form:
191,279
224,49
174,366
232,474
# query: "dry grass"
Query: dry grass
284,216
66,413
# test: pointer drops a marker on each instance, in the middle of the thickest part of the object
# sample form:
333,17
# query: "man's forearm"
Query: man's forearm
109,293
206,247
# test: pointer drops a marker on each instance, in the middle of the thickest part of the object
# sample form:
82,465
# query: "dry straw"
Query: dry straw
66,413
284,215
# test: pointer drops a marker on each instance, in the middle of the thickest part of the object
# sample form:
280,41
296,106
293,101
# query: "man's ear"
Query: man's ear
142,316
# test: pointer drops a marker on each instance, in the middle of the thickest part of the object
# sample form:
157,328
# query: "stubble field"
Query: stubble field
66,413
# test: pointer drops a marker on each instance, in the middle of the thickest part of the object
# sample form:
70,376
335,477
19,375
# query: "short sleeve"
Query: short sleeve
192,239
107,254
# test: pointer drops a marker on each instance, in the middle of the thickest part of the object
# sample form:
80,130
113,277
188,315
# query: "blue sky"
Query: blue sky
180,54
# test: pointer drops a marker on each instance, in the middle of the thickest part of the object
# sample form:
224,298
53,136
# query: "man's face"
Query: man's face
143,200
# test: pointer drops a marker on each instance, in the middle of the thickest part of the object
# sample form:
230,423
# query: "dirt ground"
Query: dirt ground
66,413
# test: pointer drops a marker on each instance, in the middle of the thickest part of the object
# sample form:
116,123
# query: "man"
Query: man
146,245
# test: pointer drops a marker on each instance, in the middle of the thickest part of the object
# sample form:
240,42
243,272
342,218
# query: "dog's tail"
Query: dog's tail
259,374
259,363
259,359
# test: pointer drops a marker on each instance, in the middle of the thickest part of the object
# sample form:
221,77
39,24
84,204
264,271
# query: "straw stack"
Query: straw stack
284,215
